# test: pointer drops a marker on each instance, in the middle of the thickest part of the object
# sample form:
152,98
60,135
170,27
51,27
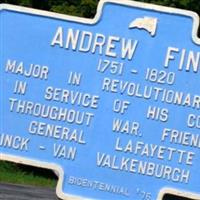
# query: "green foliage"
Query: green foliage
87,8
19,174
193,5
82,8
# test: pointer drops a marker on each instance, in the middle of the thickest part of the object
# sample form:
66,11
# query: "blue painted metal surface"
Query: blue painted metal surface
112,102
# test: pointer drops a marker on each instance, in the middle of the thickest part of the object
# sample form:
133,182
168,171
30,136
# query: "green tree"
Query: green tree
193,5
87,8
83,8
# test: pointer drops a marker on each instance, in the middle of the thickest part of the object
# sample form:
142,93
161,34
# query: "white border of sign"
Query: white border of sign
151,7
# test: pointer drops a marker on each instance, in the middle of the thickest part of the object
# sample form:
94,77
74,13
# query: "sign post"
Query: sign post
110,103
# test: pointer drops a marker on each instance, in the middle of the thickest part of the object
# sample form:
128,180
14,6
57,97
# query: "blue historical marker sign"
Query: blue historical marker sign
111,103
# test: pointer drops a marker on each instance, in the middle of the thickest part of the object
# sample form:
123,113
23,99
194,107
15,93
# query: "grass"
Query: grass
25,175
22,174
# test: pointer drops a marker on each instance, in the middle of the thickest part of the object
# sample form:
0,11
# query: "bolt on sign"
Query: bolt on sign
111,103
